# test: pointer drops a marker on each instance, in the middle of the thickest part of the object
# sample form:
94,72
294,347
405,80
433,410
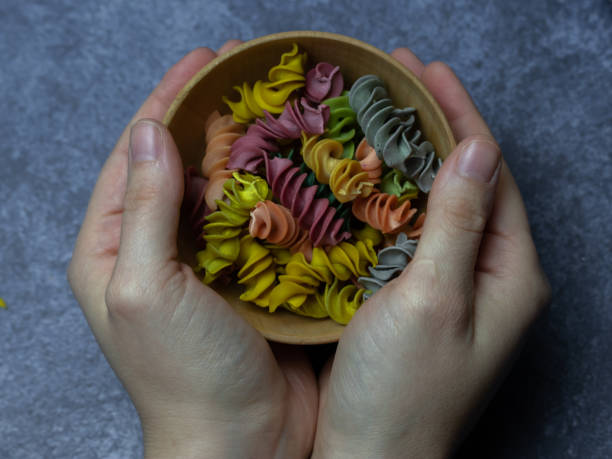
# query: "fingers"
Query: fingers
512,287
228,45
98,241
458,210
152,201
456,103
108,194
161,98
441,81
508,225
504,254
477,233
408,58
508,234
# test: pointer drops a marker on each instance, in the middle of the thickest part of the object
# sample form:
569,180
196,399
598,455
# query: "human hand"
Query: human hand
204,382
419,360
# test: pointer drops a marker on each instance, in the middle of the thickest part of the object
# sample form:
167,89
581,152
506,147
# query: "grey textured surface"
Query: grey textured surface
72,74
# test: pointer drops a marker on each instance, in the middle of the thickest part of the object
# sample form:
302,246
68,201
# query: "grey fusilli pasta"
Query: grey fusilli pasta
391,262
393,132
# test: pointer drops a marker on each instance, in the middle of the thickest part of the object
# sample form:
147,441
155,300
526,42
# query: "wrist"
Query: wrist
203,441
216,437
376,444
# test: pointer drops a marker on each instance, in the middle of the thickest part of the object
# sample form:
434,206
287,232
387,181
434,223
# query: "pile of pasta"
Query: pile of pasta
305,190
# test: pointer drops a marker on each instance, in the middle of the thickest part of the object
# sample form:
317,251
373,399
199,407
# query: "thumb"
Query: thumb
458,209
152,199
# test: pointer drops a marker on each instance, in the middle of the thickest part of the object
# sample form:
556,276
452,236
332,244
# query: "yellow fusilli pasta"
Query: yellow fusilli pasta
346,179
349,181
271,95
314,307
321,156
223,227
368,234
302,279
342,303
339,303
257,271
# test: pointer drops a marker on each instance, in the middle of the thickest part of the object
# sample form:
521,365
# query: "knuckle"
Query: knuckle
125,297
203,53
439,69
464,214
480,137
439,66
422,299
139,196
400,52
132,295
440,313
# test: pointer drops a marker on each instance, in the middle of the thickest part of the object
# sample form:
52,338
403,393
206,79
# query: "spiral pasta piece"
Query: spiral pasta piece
313,214
391,262
270,96
281,255
348,181
383,212
392,132
338,303
367,234
313,306
395,183
194,206
224,226
257,271
275,224
322,82
342,123
293,121
250,151
348,260
321,156
221,133
303,278
343,210
369,162
342,303
345,177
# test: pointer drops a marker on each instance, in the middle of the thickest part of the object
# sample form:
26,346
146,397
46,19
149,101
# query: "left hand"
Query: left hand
203,381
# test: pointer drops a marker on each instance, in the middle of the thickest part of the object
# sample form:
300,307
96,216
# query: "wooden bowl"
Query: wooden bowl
250,62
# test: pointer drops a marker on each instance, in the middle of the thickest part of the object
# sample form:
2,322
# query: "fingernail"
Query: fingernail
146,141
479,161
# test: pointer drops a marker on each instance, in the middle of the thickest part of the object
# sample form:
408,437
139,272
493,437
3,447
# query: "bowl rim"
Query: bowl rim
296,35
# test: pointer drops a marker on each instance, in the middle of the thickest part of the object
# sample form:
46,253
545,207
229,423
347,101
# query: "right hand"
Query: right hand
419,360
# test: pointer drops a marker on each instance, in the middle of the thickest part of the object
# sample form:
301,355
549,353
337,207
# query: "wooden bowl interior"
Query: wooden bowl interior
250,62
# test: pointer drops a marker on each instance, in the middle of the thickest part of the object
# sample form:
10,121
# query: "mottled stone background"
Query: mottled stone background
73,72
